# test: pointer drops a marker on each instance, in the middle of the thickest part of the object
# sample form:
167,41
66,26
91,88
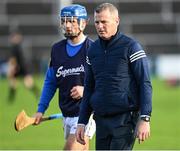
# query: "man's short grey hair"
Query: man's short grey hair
105,6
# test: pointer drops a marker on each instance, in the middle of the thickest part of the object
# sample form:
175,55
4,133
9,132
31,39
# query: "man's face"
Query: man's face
106,24
70,26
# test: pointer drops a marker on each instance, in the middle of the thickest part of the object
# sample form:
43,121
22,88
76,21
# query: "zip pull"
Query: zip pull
105,51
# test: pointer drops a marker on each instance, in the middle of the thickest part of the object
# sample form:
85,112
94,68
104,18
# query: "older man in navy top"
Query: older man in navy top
117,86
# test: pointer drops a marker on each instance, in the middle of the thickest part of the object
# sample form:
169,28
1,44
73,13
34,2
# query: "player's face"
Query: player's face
106,24
70,26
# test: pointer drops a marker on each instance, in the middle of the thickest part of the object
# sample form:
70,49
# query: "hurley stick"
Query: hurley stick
23,120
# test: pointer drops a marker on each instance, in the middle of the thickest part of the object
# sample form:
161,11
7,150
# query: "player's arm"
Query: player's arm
85,109
89,83
140,69
139,66
48,92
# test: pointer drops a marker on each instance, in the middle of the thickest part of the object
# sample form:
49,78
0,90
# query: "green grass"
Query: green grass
165,122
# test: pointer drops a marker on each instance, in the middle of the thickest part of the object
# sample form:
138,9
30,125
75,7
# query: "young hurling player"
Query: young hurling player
66,72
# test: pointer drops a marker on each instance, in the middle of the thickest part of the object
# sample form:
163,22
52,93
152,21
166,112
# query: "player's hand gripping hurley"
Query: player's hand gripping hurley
23,120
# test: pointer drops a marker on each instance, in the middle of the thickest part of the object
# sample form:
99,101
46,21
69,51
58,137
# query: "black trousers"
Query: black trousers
116,132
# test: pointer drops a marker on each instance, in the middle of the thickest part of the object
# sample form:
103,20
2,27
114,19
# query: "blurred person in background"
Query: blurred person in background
66,73
117,86
17,67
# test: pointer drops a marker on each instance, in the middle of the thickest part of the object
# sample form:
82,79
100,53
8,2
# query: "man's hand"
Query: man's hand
143,131
77,92
80,132
38,116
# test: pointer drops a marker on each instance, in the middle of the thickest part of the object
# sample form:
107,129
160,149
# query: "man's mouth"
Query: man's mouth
101,32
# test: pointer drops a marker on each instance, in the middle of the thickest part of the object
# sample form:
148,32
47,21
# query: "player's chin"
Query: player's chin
102,35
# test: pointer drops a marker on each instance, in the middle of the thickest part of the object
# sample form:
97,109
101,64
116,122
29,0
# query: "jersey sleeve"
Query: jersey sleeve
85,109
48,91
140,69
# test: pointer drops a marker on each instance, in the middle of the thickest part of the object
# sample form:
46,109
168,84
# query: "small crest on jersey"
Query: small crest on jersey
87,60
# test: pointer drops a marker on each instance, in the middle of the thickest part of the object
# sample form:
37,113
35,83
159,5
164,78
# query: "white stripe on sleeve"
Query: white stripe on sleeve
137,55
142,56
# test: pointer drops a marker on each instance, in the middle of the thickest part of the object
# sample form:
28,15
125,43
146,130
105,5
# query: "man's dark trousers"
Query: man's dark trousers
116,132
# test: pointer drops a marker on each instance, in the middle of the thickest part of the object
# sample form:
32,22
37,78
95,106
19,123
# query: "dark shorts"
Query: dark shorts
116,132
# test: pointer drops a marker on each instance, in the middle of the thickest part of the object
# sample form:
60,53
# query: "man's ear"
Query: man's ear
118,20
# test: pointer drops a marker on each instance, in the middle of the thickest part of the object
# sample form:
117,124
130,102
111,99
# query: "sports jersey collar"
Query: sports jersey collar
79,43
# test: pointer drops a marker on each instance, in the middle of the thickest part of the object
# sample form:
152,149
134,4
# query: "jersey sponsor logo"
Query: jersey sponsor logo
71,71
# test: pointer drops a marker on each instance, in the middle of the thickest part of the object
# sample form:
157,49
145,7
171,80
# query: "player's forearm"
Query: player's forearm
146,98
85,109
89,84
141,72
48,91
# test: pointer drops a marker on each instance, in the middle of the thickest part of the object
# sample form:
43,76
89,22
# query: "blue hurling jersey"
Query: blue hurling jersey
64,72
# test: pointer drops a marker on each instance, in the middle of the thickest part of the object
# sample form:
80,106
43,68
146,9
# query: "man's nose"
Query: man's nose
68,24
